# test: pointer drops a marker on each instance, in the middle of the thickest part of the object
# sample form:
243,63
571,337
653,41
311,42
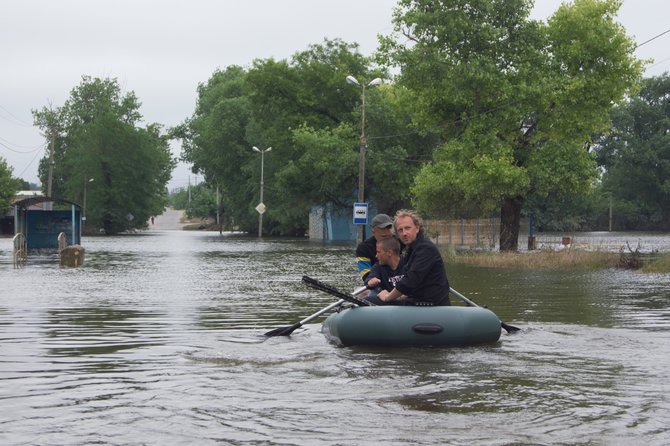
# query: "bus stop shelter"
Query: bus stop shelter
41,226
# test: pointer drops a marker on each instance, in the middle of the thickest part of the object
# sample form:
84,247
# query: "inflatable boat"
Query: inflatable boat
391,325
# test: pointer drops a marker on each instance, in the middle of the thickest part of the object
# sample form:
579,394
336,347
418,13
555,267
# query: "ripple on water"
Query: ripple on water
158,339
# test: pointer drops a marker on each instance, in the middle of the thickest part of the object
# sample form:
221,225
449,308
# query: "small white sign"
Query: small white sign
260,208
360,213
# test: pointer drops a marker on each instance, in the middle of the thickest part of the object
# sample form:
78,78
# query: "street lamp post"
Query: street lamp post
83,214
362,147
261,206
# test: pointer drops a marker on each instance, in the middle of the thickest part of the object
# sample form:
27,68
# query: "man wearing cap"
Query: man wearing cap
366,251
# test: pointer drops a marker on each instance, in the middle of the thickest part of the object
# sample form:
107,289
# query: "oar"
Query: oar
468,302
335,292
286,331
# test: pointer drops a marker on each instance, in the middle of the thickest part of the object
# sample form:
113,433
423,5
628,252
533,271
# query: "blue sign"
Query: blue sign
360,213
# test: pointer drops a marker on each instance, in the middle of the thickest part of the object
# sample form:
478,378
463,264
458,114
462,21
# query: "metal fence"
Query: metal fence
482,233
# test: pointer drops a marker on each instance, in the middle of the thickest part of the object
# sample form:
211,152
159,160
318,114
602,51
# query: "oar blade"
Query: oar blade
283,331
509,328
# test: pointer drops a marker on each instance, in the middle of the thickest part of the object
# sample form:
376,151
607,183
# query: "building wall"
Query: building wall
334,225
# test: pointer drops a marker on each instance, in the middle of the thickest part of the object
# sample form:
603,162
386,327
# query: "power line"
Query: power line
660,62
4,143
29,164
17,120
653,38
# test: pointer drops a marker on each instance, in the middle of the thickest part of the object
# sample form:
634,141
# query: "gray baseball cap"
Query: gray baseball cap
382,221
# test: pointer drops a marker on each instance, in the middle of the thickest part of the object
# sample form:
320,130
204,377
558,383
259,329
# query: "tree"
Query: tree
95,135
306,112
307,101
8,185
636,157
215,141
517,100
199,201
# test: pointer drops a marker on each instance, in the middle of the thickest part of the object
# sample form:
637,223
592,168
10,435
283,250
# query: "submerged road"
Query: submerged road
169,220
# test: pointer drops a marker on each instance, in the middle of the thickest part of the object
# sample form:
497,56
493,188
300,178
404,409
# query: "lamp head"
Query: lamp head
352,80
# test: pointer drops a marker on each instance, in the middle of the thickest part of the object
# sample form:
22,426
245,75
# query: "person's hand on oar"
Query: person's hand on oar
286,331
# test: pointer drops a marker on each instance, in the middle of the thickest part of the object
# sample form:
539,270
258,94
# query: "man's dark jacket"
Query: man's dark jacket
425,276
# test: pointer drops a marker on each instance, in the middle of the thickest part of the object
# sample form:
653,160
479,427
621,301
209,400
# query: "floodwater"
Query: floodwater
157,340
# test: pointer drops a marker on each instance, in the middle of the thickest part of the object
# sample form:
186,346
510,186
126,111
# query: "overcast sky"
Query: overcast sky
162,49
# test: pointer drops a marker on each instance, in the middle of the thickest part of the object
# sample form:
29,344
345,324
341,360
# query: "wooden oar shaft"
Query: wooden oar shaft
331,306
509,328
316,284
286,331
320,312
467,301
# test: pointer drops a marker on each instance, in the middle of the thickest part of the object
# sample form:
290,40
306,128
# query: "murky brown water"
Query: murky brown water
157,340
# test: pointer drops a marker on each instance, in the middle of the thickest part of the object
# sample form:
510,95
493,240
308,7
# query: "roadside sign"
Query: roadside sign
260,208
360,213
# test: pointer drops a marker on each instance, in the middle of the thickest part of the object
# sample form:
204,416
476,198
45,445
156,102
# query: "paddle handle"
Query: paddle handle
467,301
316,284
509,328
320,312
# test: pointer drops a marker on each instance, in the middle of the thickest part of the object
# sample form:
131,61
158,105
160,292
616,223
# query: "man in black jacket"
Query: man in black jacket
425,280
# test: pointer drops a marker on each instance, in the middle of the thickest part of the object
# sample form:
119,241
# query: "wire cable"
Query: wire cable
652,39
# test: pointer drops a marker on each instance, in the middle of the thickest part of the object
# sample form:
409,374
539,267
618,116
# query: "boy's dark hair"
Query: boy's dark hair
390,244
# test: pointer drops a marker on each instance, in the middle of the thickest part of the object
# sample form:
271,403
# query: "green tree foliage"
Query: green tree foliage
8,185
569,212
516,100
636,157
215,141
310,116
306,98
96,136
199,201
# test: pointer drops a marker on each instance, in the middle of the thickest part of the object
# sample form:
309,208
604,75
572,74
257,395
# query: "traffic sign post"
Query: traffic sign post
360,213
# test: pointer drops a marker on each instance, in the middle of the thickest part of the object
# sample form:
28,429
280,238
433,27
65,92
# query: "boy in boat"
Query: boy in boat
366,250
425,280
388,270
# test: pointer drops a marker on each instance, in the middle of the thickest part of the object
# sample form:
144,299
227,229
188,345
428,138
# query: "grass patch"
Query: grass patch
659,263
566,259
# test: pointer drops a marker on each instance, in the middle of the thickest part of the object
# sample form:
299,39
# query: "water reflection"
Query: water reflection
73,332
158,340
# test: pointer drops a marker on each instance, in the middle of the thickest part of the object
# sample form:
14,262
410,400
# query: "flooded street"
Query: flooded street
158,339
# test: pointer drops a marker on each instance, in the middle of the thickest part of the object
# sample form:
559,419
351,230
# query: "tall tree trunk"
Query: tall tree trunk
510,217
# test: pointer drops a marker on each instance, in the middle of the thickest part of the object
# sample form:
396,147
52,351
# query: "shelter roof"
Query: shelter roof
32,201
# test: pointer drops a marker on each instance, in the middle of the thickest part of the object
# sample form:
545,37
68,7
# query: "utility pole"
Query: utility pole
261,206
362,147
218,210
52,146
610,228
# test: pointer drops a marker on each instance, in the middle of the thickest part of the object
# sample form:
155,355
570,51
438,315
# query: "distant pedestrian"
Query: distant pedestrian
152,220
